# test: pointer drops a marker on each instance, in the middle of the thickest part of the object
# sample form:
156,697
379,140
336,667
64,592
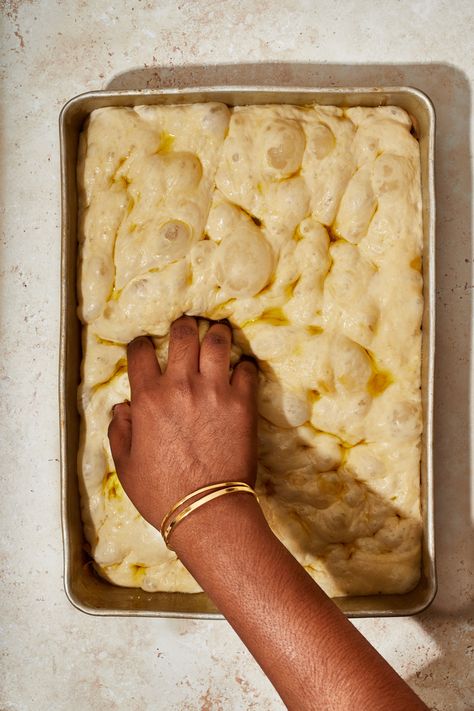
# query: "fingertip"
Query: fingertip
223,321
121,409
214,358
183,348
245,374
219,331
184,326
120,431
246,358
139,342
143,366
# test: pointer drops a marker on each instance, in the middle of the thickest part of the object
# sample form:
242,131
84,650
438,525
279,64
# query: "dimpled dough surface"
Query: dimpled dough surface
302,226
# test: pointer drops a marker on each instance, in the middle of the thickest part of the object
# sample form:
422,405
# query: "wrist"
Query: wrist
227,521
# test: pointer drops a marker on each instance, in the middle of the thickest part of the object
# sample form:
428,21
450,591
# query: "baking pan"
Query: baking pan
85,589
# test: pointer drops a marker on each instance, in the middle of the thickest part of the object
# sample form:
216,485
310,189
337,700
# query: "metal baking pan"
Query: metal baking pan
85,589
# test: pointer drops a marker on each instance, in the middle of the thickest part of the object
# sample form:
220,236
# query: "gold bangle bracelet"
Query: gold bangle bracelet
202,490
239,487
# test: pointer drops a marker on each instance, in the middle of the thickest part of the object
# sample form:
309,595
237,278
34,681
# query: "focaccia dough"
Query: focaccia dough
302,226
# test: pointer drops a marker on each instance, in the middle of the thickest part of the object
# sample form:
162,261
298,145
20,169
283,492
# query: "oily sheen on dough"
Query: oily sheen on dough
302,226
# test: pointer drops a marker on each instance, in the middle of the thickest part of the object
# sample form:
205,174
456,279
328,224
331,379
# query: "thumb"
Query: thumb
120,433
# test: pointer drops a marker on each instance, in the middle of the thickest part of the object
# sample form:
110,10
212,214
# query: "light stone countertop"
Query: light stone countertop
54,657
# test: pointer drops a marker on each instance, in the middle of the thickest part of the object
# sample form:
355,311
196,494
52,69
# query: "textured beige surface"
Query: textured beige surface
54,657
302,227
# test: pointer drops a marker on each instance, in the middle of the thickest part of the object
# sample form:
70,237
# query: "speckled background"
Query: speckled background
54,657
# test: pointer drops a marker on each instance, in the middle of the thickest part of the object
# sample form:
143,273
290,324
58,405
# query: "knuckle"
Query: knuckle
241,406
146,397
183,387
214,394
241,412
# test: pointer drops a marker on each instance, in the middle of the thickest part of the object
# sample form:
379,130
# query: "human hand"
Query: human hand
187,427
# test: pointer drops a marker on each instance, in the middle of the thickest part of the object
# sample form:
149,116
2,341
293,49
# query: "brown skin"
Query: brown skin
190,427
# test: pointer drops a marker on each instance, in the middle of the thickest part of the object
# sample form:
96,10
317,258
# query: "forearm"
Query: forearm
310,651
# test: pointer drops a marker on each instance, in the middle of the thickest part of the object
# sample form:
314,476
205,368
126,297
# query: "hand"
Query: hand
187,427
